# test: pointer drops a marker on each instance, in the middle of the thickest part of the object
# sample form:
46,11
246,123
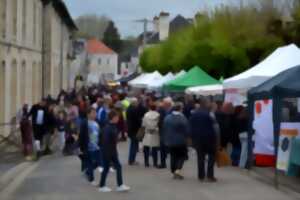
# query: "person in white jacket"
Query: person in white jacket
151,140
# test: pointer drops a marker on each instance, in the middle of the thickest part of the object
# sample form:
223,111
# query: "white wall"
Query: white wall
103,64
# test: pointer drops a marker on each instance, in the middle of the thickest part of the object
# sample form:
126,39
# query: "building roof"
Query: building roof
95,46
165,14
151,37
178,23
63,12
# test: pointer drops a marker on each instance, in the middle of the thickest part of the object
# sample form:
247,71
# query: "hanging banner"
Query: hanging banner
235,97
287,132
263,126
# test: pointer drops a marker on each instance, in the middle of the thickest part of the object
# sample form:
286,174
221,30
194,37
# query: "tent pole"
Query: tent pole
250,133
277,105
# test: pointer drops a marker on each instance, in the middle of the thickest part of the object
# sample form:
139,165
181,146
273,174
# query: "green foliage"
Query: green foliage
112,38
225,42
91,26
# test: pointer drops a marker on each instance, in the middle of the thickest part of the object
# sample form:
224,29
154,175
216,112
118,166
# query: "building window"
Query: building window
99,61
23,84
24,18
14,13
108,61
3,18
34,23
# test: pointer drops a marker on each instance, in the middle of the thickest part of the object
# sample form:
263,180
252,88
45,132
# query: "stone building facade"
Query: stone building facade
22,43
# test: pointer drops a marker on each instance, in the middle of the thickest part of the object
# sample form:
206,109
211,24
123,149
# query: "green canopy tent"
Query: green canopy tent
284,85
194,77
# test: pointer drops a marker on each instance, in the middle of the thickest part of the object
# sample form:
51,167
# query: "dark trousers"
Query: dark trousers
163,154
178,157
201,154
107,162
133,149
38,132
84,160
154,152
93,161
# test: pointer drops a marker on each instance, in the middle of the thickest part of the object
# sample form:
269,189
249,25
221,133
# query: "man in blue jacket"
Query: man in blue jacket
175,134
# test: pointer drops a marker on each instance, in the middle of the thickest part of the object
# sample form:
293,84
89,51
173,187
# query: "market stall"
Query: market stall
280,91
156,85
128,78
208,90
281,59
194,77
145,79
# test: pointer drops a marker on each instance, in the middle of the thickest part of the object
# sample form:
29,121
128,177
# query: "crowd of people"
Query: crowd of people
89,123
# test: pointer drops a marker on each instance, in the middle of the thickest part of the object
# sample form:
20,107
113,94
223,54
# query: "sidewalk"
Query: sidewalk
10,156
286,183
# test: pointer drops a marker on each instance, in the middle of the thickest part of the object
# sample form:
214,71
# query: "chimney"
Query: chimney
156,24
164,25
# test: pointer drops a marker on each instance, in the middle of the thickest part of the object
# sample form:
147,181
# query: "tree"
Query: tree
224,42
91,26
112,37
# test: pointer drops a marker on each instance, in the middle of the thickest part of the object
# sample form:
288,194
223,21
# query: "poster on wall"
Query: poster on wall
264,139
287,132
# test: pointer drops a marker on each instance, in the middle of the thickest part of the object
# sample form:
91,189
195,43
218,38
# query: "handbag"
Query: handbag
140,134
223,158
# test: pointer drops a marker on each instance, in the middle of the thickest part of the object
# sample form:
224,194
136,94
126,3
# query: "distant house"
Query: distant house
102,61
95,62
163,27
130,65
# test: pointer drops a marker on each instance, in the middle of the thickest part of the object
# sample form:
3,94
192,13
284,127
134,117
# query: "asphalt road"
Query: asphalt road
59,178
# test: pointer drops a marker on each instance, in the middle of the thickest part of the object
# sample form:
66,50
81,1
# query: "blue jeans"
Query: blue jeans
94,160
133,149
114,160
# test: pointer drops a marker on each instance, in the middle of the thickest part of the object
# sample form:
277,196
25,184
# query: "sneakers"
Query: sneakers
100,169
123,188
112,170
105,189
177,175
134,163
94,183
212,180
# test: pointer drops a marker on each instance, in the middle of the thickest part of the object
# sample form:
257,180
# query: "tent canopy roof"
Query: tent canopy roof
281,59
285,84
159,83
194,77
145,79
128,78
206,90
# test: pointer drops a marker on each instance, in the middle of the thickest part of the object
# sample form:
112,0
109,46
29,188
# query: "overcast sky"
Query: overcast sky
123,12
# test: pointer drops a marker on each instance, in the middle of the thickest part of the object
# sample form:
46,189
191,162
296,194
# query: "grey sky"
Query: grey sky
123,12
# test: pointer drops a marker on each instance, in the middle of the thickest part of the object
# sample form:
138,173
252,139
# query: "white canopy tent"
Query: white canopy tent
144,80
137,79
282,59
159,83
182,72
206,90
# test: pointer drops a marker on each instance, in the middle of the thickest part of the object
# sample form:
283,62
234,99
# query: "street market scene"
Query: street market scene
161,99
